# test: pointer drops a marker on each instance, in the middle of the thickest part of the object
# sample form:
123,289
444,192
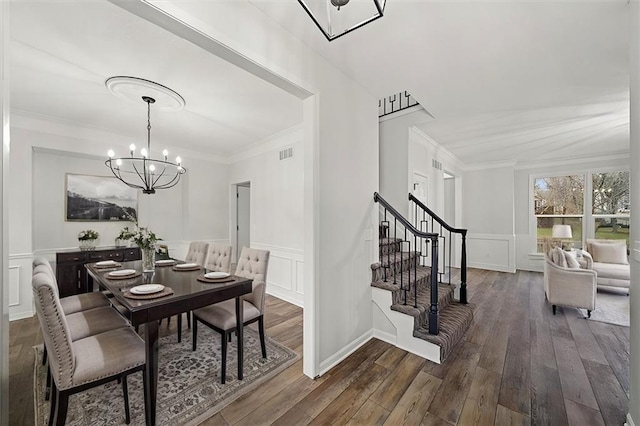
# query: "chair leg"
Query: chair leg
54,400
125,394
146,404
47,387
44,354
554,309
194,334
588,313
179,328
61,407
262,342
223,371
188,319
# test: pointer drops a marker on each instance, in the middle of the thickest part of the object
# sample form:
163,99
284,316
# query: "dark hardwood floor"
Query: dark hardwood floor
518,364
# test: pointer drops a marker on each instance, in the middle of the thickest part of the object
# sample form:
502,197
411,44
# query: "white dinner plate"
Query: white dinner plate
187,265
165,262
122,272
216,275
147,289
106,263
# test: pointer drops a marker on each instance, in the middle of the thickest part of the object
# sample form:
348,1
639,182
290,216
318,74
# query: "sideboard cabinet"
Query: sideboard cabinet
71,273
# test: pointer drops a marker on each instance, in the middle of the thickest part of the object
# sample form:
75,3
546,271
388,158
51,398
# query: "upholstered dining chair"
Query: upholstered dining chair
221,317
85,363
196,254
218,258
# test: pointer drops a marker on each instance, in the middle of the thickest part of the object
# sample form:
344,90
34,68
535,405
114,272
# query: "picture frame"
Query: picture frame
91,198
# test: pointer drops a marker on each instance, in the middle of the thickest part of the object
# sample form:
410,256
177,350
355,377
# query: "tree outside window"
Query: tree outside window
610,205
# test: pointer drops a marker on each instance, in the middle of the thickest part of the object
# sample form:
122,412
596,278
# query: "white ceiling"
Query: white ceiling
62,52
504,81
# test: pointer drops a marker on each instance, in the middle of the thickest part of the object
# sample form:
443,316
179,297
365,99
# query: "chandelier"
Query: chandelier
336,18
144,172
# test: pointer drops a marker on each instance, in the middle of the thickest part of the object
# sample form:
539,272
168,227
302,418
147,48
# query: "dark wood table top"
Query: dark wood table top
188,292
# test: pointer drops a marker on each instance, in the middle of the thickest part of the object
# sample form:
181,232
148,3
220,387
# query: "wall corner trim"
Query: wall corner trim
343,353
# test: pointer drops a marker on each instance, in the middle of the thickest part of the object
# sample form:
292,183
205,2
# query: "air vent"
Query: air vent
436,164
286,153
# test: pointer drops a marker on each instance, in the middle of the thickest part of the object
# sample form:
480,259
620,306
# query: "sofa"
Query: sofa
566,284
609,258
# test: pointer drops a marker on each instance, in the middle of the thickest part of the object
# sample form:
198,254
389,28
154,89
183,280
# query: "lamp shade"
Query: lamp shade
561,231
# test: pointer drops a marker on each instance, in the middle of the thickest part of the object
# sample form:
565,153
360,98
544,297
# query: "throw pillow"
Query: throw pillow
557,257
572,259
609,253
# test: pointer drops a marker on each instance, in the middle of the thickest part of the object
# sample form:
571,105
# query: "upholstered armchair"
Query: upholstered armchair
85,363
573,287
221,317
218,258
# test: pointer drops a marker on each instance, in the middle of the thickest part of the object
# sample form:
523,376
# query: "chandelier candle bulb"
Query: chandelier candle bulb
132,148
144,152
179,160
166,154
111,153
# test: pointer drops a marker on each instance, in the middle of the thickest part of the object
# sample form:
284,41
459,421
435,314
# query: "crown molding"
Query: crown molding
573,161
442,152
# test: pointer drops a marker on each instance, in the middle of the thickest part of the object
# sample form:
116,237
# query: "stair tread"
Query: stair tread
399,256
445,292
422,272
454,321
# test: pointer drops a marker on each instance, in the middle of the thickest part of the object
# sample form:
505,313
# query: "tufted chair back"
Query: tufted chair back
253,263
218,258
44,265
197,252
54,328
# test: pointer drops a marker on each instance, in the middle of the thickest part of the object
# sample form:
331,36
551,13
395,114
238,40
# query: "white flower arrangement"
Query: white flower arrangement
144,238
88,235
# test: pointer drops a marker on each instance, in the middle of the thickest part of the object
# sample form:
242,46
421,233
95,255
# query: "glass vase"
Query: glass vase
87,245
148,259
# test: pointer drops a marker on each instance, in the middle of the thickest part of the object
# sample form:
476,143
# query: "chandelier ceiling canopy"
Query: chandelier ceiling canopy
141,170
336,18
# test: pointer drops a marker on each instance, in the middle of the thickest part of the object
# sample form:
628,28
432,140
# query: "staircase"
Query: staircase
428,323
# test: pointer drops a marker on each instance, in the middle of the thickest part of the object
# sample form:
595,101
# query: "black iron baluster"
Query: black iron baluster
402,265
450,256
433,308
415,272
463,269
395,241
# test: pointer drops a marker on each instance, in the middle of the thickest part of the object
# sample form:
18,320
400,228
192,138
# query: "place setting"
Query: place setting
123,274
187,267
107,264
166,262
216,277
147,291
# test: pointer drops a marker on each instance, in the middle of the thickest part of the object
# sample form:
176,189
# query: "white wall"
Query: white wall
488,214
277,219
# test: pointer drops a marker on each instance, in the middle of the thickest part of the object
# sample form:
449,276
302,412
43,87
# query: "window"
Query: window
594,204
558,200
610,205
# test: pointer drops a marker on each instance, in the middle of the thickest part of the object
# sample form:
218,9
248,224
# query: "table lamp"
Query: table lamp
562,232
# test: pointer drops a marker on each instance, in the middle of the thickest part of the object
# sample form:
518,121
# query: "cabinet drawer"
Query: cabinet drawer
105,255
131,253
70,257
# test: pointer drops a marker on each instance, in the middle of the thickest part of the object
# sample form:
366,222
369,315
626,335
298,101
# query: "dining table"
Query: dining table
188,292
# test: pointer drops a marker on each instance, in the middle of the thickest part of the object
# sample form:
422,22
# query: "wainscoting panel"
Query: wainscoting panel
20,293
285,274
491,251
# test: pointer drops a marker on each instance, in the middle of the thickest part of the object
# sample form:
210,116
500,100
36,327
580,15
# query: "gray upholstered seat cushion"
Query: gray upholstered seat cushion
223,314
83,302
612,270
106,354
94,321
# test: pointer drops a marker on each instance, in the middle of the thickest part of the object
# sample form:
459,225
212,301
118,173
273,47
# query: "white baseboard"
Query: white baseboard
385,337
283,296
20,315
343,353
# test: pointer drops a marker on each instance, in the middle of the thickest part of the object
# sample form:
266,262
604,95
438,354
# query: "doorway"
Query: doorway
243,216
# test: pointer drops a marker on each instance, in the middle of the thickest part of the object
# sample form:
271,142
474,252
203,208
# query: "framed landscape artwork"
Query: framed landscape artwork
99,199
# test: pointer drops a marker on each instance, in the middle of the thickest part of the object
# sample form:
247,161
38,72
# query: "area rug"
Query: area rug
612,307
189,388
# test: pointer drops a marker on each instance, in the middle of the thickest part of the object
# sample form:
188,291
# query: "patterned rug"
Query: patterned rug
189,388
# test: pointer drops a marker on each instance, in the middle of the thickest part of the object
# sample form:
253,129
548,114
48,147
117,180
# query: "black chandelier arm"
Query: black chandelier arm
118,175
143,179
169,184
155,181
